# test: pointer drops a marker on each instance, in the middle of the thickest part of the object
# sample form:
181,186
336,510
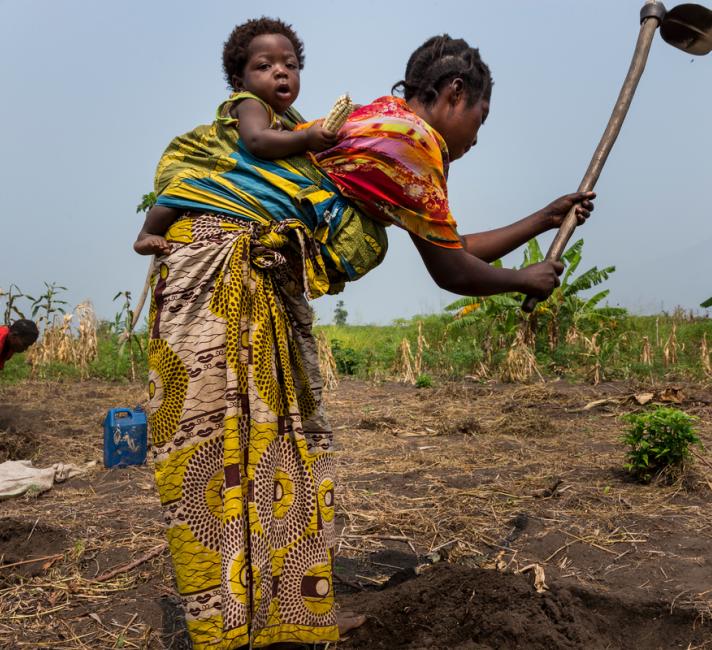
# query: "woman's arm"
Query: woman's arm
262,141
457,270
493,244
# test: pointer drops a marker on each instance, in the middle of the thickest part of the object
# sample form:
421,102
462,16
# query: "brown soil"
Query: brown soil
448,498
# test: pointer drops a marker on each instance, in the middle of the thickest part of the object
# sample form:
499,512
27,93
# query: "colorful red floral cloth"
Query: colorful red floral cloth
394,165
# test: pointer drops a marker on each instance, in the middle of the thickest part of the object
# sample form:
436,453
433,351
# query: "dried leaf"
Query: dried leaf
644,398
539,576
539,579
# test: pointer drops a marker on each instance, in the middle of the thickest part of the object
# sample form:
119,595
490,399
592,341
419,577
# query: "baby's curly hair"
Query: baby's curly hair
235,49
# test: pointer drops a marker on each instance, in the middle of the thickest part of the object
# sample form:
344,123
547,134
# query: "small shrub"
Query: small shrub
347,359
424,381
659,442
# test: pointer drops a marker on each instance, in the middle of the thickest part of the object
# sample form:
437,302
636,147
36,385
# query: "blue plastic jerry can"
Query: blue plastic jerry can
125,437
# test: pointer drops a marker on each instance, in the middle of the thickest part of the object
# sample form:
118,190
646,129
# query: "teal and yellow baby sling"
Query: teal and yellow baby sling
209,170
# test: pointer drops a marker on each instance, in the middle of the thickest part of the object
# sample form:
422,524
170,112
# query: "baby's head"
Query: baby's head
264,57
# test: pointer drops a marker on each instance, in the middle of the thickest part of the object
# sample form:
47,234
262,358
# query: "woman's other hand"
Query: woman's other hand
555,212
539,280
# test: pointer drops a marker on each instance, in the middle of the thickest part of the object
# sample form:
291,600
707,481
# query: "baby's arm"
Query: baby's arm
150,240
263,142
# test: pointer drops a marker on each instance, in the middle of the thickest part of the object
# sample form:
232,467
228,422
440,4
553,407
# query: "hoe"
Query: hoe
687,27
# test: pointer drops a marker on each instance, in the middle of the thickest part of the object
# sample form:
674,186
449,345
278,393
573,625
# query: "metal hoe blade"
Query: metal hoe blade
688,27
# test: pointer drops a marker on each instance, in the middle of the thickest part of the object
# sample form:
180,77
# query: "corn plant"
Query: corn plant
11,296
123,326
659,443
46,306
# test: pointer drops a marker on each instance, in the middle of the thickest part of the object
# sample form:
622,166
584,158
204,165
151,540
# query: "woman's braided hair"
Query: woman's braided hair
436,63
235,49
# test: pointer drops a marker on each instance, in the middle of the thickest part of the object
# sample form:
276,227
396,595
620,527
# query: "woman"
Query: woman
241,445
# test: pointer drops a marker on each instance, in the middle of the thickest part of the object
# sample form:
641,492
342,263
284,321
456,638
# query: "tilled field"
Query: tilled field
470,516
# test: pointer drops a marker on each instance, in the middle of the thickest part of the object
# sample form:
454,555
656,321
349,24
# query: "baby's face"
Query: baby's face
272,71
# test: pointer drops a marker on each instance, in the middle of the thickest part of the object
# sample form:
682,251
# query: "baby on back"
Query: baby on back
262,61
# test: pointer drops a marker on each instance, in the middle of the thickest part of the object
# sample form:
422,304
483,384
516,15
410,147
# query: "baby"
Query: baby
262,59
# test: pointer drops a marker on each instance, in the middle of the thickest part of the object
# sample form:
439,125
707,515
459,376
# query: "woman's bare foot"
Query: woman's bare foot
349,621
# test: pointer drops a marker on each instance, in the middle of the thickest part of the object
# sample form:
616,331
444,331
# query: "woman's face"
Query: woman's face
458,121
460,125
272,71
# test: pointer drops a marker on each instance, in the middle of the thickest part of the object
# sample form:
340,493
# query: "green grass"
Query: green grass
373,351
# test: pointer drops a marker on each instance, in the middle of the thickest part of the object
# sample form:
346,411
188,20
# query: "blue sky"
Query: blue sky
93,92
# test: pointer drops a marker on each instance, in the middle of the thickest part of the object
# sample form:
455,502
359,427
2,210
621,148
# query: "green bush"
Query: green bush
659,442
347,359
424,381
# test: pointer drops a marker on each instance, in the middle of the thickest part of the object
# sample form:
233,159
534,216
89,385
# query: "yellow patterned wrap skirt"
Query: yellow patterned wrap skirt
242,451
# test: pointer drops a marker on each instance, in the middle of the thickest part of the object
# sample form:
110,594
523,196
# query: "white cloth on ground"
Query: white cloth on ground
18,476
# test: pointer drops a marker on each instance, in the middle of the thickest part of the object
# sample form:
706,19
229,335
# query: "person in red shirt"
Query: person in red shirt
16,338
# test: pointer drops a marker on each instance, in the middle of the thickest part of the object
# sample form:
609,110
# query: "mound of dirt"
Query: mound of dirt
459,608
16,439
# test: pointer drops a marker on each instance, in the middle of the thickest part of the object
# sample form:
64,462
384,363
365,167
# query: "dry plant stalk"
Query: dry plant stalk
86,348
60,343
479,372
327,363
520,363
705,356
573,335
594,350
670,349
646,356
404,365
422,345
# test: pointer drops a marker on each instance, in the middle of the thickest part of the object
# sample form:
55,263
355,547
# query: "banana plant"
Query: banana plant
562,310
565,308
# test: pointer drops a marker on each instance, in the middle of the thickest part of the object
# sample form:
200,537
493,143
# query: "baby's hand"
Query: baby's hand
152,245
319,139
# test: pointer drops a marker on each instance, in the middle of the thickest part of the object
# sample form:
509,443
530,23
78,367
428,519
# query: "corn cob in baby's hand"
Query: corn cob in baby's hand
338,114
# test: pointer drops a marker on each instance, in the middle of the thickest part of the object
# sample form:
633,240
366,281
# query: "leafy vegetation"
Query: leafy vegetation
659,443
424,381
572,335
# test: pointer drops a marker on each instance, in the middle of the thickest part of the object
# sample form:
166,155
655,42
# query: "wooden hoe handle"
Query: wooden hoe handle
650,16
